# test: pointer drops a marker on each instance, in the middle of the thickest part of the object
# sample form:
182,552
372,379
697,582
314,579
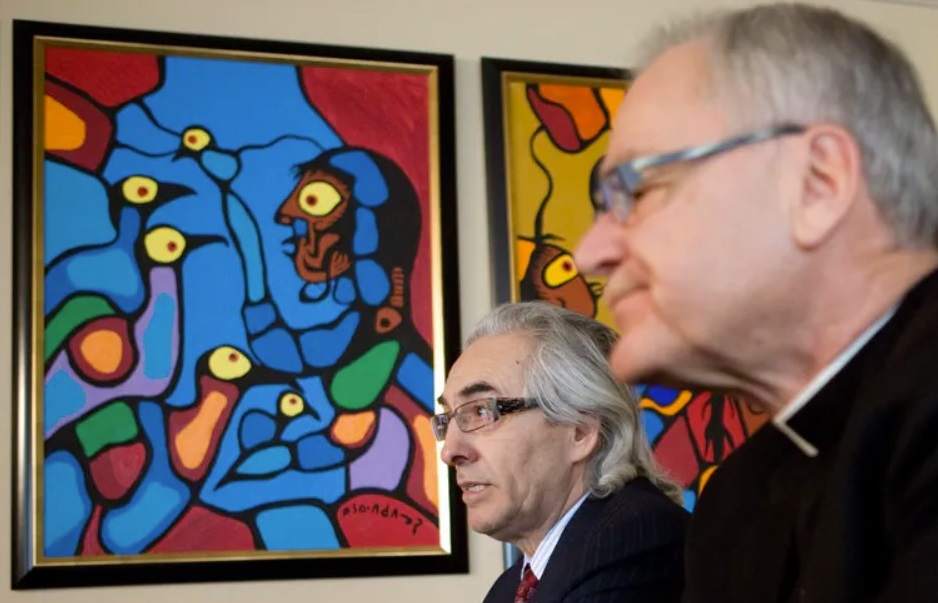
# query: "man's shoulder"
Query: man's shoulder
640,498
637,515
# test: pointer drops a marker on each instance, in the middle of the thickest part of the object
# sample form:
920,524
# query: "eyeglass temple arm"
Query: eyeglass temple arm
706,150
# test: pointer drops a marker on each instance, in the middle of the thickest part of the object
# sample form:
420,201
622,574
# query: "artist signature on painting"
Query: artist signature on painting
385,511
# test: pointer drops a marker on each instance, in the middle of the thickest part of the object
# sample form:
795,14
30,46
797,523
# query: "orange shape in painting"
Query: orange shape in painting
588,117
427,445
671,408
65,131
417,474
103,351
705,477
523,251
193,441
353,429
611,98
203,424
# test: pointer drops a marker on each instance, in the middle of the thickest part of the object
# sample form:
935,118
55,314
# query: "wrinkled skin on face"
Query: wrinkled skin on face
318,210
519,474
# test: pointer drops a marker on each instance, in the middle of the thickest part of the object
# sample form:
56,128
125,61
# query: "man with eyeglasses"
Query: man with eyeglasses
550,456
767,219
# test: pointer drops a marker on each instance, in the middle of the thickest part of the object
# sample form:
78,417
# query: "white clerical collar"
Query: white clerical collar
780,420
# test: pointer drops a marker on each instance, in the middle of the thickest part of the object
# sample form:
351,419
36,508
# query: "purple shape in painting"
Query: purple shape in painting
382,467
137,384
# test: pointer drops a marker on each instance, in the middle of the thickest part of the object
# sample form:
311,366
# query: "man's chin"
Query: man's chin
648,360
632,362
487,526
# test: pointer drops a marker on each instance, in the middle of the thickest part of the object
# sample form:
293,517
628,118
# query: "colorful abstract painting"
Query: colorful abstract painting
547,128
231,293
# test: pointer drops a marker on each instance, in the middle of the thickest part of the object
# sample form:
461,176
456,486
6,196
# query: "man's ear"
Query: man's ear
585,439
829,184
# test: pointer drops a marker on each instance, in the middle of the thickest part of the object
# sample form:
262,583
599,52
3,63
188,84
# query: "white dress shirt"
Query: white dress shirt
545,549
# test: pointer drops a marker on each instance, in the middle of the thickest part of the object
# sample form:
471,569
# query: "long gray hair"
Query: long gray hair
800,63
568,374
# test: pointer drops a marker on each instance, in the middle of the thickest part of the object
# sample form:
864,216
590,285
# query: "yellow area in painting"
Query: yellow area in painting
225,362
569,212
428,449
581,103
351,429
65,131
705,477
103,350
670,409
193,440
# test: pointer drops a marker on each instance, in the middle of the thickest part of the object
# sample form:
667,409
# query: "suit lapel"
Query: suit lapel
557,575
503,591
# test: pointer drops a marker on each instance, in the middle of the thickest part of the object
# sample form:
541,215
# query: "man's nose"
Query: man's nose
456,448
602,248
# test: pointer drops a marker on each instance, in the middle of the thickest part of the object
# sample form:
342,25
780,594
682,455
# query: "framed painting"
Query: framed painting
232,309
546,130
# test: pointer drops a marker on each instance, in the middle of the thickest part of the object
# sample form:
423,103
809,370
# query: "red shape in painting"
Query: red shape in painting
203,530
675,451
116,470
110,78
387,113
715,425
558,123
193,468
378,520
400,401
91,542
98,128
102,352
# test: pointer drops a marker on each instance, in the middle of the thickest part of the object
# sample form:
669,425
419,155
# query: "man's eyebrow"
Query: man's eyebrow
477,387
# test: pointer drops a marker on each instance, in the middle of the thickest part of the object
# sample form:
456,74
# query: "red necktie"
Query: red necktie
528,584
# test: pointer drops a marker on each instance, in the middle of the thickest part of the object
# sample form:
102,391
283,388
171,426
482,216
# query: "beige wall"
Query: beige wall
585,31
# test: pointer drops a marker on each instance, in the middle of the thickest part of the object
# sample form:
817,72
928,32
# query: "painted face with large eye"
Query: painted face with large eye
553,276
321,237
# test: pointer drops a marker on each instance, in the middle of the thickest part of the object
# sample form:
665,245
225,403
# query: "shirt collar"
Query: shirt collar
545,549
781,419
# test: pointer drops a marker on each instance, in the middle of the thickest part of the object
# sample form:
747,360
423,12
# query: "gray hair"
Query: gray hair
568,374
803,64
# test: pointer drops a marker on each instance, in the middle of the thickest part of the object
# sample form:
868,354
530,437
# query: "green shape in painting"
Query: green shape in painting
113,424
76,311
357,385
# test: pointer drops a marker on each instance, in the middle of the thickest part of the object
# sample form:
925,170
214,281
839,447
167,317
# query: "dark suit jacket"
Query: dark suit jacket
626,547
858,522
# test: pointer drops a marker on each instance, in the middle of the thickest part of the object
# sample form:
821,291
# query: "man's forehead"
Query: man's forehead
473,389
669,106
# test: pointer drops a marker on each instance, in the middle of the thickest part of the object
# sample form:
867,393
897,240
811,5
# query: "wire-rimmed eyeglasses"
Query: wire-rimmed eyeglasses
614,192
478,413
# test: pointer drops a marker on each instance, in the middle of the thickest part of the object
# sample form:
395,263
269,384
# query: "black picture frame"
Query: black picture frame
430,356
497,75
546,129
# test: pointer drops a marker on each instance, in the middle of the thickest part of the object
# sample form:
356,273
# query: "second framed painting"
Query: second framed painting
547,127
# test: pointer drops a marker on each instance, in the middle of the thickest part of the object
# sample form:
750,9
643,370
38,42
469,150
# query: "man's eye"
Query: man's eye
482,411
